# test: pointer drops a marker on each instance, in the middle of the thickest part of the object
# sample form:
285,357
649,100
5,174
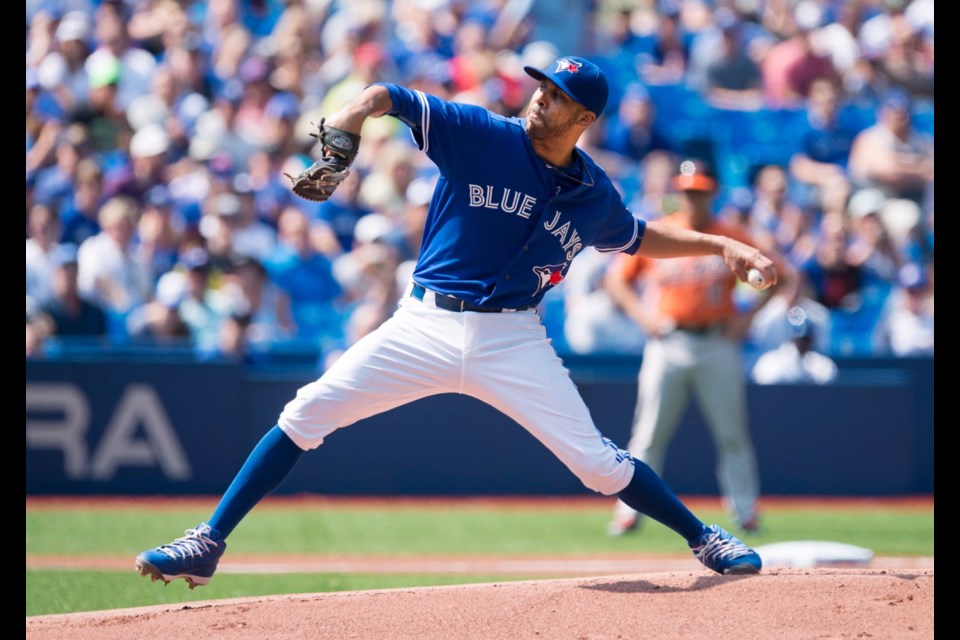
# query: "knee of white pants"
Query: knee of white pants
307,419
609,474
300,437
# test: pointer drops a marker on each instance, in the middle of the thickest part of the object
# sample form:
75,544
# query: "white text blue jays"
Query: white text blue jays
506,200
571,244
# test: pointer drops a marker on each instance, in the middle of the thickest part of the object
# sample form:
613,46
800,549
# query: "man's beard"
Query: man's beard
543,130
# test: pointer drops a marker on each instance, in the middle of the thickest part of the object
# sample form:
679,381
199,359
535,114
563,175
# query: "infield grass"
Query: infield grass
404,530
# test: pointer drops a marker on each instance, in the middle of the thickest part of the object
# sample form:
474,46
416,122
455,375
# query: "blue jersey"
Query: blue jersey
828,142
503,225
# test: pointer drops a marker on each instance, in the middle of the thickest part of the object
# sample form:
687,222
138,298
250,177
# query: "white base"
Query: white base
813,553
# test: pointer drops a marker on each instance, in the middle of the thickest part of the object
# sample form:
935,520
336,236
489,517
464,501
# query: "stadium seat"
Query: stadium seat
746,140
922,116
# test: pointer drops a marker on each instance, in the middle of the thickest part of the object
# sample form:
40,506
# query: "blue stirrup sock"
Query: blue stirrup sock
266,467
650,495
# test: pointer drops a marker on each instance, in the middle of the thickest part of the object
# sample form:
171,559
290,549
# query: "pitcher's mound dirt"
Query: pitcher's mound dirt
780,603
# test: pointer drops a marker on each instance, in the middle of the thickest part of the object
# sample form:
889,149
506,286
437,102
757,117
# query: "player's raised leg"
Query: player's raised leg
527,382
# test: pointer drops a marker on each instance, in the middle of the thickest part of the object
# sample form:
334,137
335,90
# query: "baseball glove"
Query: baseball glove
318,181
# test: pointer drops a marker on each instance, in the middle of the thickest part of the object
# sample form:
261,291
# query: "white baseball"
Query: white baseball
755,278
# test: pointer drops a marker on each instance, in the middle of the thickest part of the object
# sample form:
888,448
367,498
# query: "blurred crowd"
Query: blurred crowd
158,133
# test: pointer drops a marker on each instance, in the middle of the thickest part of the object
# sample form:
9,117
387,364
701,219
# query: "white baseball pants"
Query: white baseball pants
503,359
709,366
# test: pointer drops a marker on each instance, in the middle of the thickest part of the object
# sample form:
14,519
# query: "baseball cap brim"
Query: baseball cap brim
538,74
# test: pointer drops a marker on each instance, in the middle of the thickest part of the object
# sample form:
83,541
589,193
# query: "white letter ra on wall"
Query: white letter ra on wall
120,445
66,433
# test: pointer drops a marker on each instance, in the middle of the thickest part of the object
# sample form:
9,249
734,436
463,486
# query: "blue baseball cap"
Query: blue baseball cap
578,78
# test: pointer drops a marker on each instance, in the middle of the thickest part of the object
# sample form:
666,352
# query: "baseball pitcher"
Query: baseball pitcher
515,203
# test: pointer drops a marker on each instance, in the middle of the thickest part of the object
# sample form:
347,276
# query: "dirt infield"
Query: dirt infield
776,605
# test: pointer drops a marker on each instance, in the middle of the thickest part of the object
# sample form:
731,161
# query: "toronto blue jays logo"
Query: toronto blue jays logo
568,65
549,276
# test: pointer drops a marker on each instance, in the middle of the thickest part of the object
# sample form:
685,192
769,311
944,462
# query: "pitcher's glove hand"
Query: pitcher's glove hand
318,181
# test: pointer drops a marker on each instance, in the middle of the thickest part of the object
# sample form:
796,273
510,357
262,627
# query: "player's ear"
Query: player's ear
587,118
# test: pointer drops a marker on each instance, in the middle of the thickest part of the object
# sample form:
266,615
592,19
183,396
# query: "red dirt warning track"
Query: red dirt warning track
776,605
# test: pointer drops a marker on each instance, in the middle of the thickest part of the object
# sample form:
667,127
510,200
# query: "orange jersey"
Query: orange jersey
692,291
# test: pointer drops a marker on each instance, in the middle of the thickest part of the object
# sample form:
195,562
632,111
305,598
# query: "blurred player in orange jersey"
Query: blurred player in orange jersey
687,310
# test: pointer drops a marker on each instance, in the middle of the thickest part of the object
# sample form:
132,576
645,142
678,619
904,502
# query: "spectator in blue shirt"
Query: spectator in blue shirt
78,217
667,62
341,212
54,184
825,142
305,275
631,131
158,235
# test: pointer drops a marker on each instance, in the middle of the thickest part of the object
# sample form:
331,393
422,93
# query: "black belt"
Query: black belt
449,303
